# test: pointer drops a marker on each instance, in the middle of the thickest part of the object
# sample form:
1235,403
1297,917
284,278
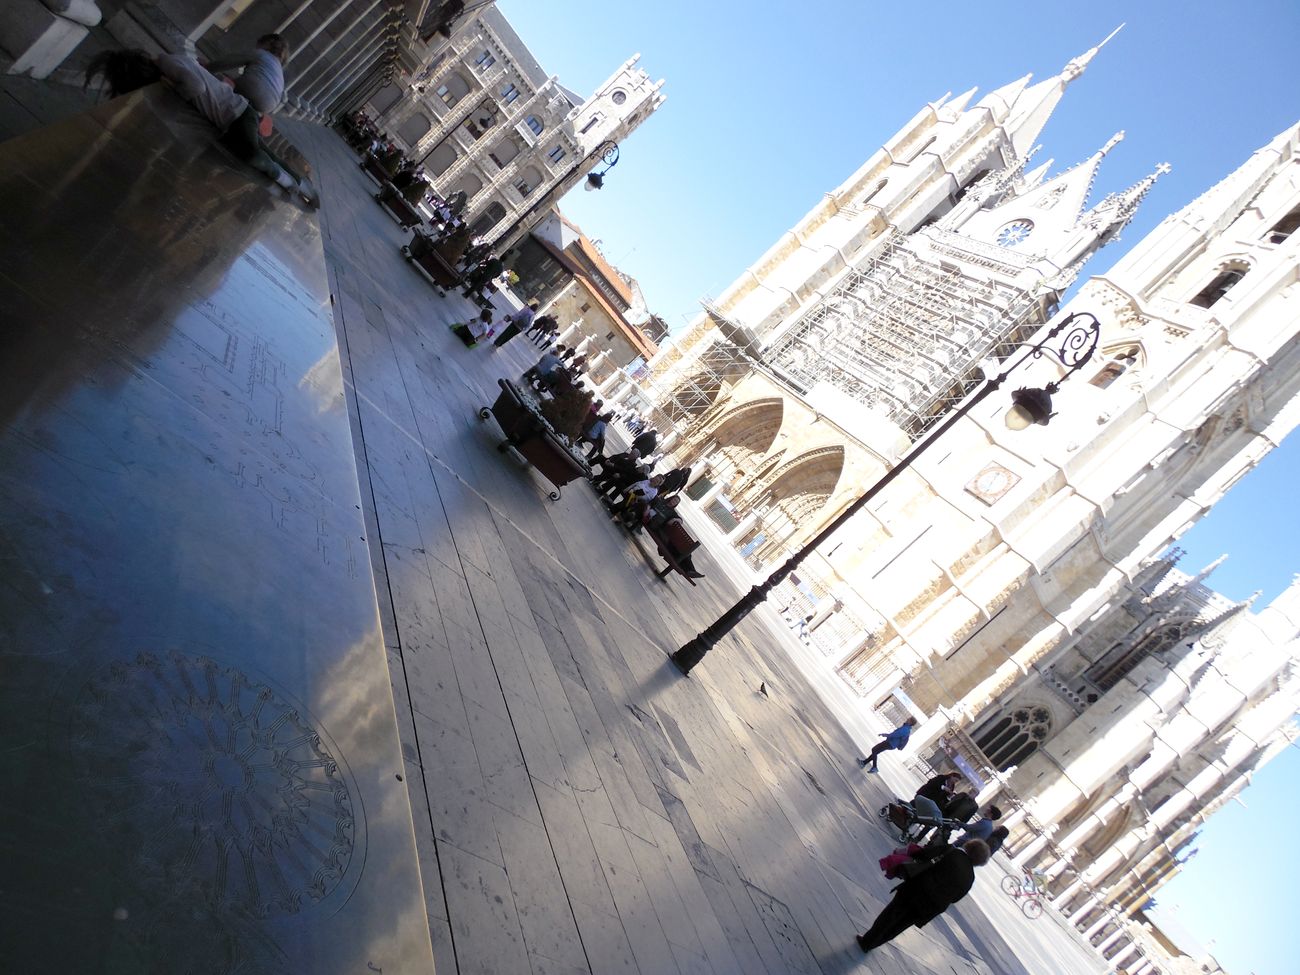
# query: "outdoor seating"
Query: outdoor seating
398,207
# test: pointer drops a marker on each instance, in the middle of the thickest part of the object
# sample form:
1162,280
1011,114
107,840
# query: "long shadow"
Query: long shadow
993,950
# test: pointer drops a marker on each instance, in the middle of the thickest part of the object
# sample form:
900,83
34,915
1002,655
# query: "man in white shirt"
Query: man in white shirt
229,112
262,81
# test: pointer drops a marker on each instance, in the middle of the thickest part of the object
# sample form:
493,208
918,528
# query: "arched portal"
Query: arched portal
792,497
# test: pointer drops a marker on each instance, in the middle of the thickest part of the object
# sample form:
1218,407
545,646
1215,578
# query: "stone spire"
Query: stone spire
1033,105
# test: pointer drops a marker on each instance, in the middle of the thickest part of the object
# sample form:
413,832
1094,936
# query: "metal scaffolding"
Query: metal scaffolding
905,332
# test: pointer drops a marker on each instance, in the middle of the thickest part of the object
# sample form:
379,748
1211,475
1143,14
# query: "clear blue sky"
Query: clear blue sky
770,105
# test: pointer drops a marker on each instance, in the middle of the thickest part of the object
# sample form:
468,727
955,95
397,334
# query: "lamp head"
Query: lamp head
594,181
1029,407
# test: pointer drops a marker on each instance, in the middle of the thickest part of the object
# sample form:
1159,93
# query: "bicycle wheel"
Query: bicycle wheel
1032,907
1011,886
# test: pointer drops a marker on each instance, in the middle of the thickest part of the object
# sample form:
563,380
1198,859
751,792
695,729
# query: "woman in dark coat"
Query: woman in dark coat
938,878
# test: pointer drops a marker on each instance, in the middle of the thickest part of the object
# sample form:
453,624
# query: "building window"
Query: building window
928,143
609,336
485,60
523,187
875,190
619,97
1015,233
1119,363
534,123
592,123
479,122
1285,227
1223,282
556,154
585,308
448,97
509,93
1011,738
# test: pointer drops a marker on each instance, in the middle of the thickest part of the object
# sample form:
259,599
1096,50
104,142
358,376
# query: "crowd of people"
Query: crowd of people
936,870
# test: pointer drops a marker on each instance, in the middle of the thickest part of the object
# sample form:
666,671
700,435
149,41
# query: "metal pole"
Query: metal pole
1073,354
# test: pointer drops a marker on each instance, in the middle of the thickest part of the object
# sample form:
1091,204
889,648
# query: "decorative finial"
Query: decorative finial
1164,168
1112,142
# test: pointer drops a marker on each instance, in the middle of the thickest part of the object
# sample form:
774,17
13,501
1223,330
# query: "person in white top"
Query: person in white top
229,112
262,81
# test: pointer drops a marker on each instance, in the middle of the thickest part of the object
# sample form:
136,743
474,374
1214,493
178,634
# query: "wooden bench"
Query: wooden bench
673,542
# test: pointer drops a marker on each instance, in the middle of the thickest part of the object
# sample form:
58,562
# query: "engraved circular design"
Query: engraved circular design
215,786
1016,232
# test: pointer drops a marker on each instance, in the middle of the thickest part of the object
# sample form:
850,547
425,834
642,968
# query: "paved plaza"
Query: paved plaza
578,805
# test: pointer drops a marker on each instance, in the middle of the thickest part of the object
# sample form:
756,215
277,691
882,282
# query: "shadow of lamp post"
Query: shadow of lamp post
1071,343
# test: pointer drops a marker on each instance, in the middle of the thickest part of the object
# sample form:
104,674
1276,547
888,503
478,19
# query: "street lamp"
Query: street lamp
608,153
1079,334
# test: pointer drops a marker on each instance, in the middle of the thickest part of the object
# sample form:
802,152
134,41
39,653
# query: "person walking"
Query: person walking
936,878
514,323
896,740
982,828
646,442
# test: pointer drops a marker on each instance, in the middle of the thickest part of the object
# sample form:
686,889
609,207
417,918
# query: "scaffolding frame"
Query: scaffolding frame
904,333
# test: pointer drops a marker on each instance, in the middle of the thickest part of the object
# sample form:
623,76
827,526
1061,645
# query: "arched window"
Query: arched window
413,129
927,144
478,123
488,219
1013,736
503,152
440,160
469,185
1120,362
452,90
1223,282
875,191
534,123
528,181
1285,227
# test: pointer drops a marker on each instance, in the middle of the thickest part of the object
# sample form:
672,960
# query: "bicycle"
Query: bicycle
1030,891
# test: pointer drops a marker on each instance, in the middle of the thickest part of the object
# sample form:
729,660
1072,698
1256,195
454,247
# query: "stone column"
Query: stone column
1077,916
1110,939
1031,850
1124,955
40,34
330,85
736,534
1063,898
301,73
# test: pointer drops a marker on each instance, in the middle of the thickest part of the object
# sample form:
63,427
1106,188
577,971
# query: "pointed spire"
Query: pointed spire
1034,106
1076,66
1205,573
1119,208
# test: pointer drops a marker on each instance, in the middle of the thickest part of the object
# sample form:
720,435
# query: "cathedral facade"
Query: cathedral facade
1006,589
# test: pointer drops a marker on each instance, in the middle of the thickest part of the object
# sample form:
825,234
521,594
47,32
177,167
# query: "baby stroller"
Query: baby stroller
910,826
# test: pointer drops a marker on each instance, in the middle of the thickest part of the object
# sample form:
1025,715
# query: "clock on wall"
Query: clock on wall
992,483
1016,232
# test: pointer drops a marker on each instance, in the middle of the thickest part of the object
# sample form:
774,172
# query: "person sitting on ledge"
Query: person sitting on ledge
229,112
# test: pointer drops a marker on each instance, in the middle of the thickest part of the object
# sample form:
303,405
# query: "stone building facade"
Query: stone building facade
487,120
1005,564
600,310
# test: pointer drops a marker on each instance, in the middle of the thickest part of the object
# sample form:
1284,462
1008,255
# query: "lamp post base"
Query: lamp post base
691,653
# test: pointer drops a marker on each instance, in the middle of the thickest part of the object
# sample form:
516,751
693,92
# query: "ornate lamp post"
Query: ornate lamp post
1071,343
608,153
